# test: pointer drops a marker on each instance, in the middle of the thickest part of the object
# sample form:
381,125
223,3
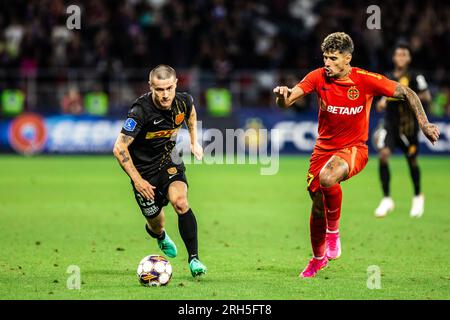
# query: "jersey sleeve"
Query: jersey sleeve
378,85
135,121
310,82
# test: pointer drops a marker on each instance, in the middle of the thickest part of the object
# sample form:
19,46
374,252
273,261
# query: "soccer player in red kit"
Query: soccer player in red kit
345,96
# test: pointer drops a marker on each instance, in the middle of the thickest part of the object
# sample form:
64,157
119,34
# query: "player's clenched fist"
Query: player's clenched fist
431,131
282,92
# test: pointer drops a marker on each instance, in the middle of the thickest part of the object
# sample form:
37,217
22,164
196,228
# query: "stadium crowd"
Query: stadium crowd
242,42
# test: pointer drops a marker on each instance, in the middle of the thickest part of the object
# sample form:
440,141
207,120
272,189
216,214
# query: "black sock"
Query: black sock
385,177
154,235
187,224
415,175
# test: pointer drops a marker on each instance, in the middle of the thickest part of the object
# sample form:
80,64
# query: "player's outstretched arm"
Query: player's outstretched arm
122,155
430,130
285,96
196,148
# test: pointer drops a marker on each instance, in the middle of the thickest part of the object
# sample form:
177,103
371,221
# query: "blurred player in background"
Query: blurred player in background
145,149
345,96
401,130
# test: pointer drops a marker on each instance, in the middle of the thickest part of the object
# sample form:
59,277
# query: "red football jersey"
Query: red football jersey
344,105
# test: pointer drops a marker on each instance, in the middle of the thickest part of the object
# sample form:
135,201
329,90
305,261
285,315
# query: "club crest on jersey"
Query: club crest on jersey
130,124
179,118
353,93
172,170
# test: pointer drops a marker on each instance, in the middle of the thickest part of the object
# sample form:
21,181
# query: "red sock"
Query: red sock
332,199
318,228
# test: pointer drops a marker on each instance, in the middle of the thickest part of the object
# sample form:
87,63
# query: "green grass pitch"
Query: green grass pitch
253,233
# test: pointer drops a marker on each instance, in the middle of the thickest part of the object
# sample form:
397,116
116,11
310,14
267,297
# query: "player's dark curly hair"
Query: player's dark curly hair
338,41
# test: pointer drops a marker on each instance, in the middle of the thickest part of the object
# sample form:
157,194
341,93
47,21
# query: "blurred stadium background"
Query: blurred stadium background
228,54
68,91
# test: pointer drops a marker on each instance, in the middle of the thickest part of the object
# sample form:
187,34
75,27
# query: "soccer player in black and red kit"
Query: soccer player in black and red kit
145,149
401,130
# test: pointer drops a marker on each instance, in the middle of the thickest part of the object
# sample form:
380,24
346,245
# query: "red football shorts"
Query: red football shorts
356,158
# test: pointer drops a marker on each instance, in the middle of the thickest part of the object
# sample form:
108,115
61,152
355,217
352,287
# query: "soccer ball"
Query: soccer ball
154,271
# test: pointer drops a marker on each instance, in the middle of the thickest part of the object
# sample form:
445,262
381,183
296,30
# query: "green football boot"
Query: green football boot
197,268
168,246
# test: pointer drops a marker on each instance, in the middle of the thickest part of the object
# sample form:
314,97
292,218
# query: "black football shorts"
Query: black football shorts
161,180
393,139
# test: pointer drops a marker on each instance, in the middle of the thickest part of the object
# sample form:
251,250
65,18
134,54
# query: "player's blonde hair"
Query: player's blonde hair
162,72
338,41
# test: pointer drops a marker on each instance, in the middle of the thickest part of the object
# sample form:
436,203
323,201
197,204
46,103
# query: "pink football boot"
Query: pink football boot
333,245
314,265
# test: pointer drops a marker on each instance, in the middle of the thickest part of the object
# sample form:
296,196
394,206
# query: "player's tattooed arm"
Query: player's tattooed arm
122,148
196,148
405,93
122,155
430,130
285,97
